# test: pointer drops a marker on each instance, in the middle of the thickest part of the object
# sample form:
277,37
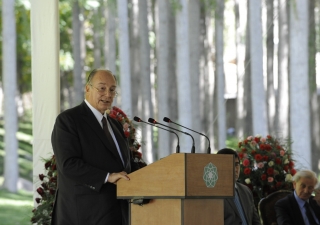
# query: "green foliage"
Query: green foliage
15,208
24,136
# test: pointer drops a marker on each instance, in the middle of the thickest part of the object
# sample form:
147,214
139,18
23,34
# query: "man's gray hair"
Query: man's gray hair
305,174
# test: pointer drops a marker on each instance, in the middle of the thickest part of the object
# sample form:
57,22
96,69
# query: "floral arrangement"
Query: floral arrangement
43,212
130,132
266,165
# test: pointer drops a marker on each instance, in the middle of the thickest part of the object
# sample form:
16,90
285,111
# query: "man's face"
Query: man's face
304,188
236,169
99,91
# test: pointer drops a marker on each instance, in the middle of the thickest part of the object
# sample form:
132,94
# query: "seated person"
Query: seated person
300,207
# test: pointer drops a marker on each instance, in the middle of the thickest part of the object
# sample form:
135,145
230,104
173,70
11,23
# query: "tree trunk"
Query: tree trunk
9,72
271,101
259,117
314,106
183,73
220,78
194,67
79,51
145,84
299,87
135,57
124,57
282,115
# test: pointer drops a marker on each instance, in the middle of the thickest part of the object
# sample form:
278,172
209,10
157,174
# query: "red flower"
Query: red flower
240,154
244,150
262,147
247,171
291,164
256,139
239,144
41,176
278,161
40,191
258,157
253,152
269,137
268,147
293,171
245,141
246,162
265,158
263,176
38,200
285,168
127,134
47,164
54,167
270,171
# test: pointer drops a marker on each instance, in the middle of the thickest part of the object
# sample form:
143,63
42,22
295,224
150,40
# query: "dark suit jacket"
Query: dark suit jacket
288,211
231,215
84,158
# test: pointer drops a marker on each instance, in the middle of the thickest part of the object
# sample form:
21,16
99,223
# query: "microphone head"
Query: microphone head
166,119
137,119
150,120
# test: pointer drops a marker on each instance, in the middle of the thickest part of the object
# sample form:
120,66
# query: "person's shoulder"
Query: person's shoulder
243,187
284,201
74,110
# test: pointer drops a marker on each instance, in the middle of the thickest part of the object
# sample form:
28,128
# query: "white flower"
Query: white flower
286,161
271,163
248,181
288,177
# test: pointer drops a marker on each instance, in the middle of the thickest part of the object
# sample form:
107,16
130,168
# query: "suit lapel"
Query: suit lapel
93,123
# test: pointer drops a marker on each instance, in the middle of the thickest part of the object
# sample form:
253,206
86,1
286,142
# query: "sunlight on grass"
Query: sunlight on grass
15,208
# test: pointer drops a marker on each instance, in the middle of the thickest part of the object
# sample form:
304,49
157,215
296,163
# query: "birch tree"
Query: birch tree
79,53
299,84
183,72
259,118
194,45
282,119
314,106
9,72
124,57
220,84
271,101
145,84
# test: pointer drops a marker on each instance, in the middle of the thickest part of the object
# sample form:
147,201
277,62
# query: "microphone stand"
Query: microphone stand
166,119
151,120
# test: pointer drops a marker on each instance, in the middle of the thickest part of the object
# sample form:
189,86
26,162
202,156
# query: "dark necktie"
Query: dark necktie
239,207
107,132
309,214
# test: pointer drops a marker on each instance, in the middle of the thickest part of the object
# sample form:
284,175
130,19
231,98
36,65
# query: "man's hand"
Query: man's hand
114,177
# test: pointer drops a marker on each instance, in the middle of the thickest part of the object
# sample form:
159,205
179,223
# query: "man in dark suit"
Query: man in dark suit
241,209
300,207
92,154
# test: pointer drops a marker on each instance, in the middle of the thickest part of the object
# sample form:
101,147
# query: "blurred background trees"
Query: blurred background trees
225,68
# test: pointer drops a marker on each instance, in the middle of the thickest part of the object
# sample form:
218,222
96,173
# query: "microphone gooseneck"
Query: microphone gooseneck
137,119
151,120
166,119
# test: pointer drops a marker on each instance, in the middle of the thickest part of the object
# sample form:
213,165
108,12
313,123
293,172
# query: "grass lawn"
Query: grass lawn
15,209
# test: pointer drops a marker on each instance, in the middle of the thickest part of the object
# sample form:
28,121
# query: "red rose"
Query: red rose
265,158
258,157
244,150
262,147
240,154
245,141
291,164
278,184
247,171
278,161
270,171
285,168
256,139
293,171
38,200
268,147
246,162
269,137
54,167
47,164
127,134
239,144
41,176
40,191
263,177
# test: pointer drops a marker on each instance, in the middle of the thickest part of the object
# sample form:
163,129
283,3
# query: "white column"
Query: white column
45,44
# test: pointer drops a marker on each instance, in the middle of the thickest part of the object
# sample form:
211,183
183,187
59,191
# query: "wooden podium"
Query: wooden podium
184,189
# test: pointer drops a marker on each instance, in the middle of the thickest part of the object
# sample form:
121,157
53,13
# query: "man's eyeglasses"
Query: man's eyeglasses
103,90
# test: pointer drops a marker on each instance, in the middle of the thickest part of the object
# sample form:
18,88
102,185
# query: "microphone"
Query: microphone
150,120
137,119
166,119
